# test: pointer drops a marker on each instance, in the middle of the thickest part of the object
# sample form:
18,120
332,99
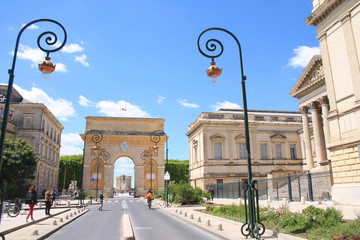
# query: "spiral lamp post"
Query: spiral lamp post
252,226
96,138
159,133
46,67
105,156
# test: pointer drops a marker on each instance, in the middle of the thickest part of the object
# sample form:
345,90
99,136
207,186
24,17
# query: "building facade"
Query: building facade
335,105
39,127
218,151
123,183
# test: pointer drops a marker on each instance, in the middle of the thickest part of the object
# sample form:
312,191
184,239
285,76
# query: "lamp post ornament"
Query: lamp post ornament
46,67
252,226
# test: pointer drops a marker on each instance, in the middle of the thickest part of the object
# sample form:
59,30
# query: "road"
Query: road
148,224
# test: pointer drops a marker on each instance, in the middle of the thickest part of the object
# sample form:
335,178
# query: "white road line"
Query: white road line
142,228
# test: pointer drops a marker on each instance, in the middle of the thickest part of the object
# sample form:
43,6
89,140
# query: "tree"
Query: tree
19,166
74,171
178,170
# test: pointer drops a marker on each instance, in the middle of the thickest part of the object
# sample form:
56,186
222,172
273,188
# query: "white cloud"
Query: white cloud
60,68
71,48
82,59
61,108
303,54
160,99
114,109
70,150
83,101
35,55
225,104
71,144
185,103
32,26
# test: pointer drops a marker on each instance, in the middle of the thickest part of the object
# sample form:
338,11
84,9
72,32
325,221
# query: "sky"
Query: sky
142,56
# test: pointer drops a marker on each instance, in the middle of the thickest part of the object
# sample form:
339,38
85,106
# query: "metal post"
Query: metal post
251,228
277,190
311,196
289,188
51,40
298,178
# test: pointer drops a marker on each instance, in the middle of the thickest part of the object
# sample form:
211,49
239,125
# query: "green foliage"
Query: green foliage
178,170
19,165
74,171
184,194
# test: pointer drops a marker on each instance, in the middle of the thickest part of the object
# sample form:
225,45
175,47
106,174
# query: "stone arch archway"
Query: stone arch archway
123,137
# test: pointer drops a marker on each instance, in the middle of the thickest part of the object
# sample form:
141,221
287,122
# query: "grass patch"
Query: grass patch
311,223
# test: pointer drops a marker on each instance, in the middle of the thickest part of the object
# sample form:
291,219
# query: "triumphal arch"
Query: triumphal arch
116,137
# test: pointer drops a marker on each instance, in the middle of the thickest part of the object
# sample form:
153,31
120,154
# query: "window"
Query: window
219,182
279,154
293,151
275,119
218,150
264,150
242,149
259,118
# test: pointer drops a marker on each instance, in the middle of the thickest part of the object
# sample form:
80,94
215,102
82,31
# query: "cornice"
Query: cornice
323,11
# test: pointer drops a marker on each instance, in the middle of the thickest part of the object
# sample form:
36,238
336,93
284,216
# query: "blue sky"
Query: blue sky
142,56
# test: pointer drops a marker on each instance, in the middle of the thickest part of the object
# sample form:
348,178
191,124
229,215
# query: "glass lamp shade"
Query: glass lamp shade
214,72
46,67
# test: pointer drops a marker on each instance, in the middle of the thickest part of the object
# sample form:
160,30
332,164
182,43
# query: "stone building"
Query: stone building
330,88
39,127
123,183
217,150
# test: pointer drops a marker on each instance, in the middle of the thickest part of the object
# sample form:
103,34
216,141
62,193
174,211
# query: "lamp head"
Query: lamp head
95,149
46,67
214,72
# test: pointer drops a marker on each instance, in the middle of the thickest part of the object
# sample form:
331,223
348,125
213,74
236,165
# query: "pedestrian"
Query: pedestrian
48,201
212,193
43,194
31,199
101,201
53,194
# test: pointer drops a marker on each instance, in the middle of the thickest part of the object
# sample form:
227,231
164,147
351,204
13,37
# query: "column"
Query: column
324,101
318,132
306,129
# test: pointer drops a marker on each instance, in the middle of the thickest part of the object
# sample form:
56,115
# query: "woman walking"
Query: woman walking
31,199
48,201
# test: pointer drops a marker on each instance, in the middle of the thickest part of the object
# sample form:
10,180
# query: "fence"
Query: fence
311,186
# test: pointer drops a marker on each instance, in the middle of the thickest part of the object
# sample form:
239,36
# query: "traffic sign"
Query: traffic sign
91,179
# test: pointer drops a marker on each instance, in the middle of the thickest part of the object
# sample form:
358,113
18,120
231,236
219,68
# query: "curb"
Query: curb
30,223
128,233
56,229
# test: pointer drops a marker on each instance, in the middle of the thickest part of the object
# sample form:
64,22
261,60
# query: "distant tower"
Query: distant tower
123,183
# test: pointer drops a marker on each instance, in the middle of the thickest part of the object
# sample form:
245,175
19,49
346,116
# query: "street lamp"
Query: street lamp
45,67
105,156
150,153
158,134
96,138
251,226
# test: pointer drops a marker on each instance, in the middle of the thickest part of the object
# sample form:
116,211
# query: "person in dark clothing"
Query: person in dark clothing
48,201
31,199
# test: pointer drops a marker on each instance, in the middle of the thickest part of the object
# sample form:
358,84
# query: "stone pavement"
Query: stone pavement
222,227
18,229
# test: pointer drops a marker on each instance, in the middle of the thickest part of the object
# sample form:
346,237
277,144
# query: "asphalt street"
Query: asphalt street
147,223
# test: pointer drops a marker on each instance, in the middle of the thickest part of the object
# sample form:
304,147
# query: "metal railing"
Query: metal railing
311,186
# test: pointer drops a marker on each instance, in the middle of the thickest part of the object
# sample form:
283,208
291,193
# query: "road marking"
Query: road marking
131,201
137,200
116,201
124,205
142,228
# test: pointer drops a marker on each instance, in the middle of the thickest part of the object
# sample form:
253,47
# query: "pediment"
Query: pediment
311,79
277,137
240,137
217,137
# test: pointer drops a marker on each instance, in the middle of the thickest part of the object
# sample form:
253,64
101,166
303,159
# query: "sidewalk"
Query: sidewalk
222,227
17,228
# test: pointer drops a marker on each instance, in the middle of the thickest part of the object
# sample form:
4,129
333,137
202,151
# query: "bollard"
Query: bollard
176,210
219,227
303,200
79,211
269,199
208,222
180,212
185,214
267,203
67,217
199,219
54,223
68,203
35,232
191,216
71,214
61,220
285,202
75,213
55,204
